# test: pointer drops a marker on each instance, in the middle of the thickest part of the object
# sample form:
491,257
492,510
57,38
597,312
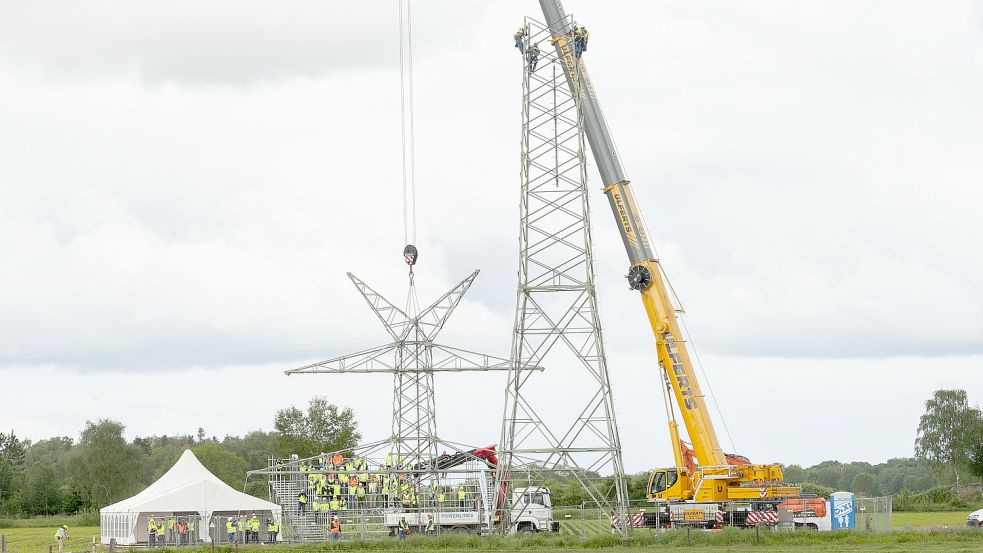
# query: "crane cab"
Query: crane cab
669,484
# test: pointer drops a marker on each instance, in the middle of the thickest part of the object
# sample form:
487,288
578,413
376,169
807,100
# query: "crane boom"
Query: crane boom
645,274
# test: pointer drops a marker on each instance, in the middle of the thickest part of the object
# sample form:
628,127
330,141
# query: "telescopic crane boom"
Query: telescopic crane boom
721,477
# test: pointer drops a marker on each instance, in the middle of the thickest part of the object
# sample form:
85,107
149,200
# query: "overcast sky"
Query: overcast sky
185,184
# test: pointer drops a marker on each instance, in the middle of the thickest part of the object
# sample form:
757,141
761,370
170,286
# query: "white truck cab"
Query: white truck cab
532,511
975,519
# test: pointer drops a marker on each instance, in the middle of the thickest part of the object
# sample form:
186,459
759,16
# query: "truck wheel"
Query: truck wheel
459,530
527,529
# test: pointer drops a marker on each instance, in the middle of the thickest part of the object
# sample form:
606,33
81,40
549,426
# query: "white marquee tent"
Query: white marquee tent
188,488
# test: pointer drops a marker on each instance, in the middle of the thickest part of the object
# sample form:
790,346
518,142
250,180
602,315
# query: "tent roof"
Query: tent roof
189,486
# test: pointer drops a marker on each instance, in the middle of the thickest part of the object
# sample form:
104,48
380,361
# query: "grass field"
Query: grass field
927,540
900,520
37,540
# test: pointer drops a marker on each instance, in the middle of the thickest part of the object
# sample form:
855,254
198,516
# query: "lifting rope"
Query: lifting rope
410,253
407,132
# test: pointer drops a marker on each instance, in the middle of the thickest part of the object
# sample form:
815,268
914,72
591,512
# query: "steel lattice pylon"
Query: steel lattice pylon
556,306
413,358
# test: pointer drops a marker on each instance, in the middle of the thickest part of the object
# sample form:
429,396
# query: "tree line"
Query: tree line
63,475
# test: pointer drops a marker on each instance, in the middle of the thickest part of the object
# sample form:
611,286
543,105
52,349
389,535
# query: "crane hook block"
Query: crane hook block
410,254
639,277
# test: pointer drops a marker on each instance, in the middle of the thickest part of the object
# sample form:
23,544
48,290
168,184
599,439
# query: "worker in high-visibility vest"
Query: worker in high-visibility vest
335,530
192,530
182,532
61,534
519,43
230,528
254,526
404,528
579,41
151,532
272,528
171,524
461,495
431,526
532,57
373,490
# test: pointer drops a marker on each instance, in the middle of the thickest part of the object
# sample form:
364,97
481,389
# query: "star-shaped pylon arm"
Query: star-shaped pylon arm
383,359
413,349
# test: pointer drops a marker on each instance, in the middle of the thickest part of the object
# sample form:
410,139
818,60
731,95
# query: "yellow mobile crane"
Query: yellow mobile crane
703,474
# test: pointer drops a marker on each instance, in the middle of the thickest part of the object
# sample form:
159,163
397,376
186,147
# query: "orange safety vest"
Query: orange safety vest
335,526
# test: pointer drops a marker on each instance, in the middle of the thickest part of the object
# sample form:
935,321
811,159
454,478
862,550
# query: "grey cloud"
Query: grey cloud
189,225
225,42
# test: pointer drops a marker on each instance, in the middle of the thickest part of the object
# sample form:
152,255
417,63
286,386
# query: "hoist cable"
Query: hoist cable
699,363
407,133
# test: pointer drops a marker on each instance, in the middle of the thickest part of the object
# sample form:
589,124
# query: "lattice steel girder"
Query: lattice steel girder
556,306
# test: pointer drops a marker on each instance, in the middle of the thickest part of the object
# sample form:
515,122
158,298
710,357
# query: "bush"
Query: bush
817,489
941,498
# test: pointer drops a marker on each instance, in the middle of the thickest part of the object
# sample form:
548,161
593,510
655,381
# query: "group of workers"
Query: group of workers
341,484
532,53
172,530
403,528
249,529
332,486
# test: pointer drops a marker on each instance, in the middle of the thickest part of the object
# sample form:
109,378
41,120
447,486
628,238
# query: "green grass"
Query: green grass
900,520
37,540
960,540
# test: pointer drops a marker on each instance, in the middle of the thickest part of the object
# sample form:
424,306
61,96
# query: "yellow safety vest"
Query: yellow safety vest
460,495
151,527
272,527
230,526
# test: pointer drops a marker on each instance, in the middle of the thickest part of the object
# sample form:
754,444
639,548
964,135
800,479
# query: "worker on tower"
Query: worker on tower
532,57
580,40
461,495
519,43
302,502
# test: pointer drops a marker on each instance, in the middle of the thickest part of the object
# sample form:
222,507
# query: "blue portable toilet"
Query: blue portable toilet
843,512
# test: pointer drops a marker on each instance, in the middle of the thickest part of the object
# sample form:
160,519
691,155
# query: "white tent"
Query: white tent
188,488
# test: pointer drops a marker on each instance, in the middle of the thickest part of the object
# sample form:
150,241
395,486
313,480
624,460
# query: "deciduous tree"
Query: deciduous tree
945,428
105,464
322,428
